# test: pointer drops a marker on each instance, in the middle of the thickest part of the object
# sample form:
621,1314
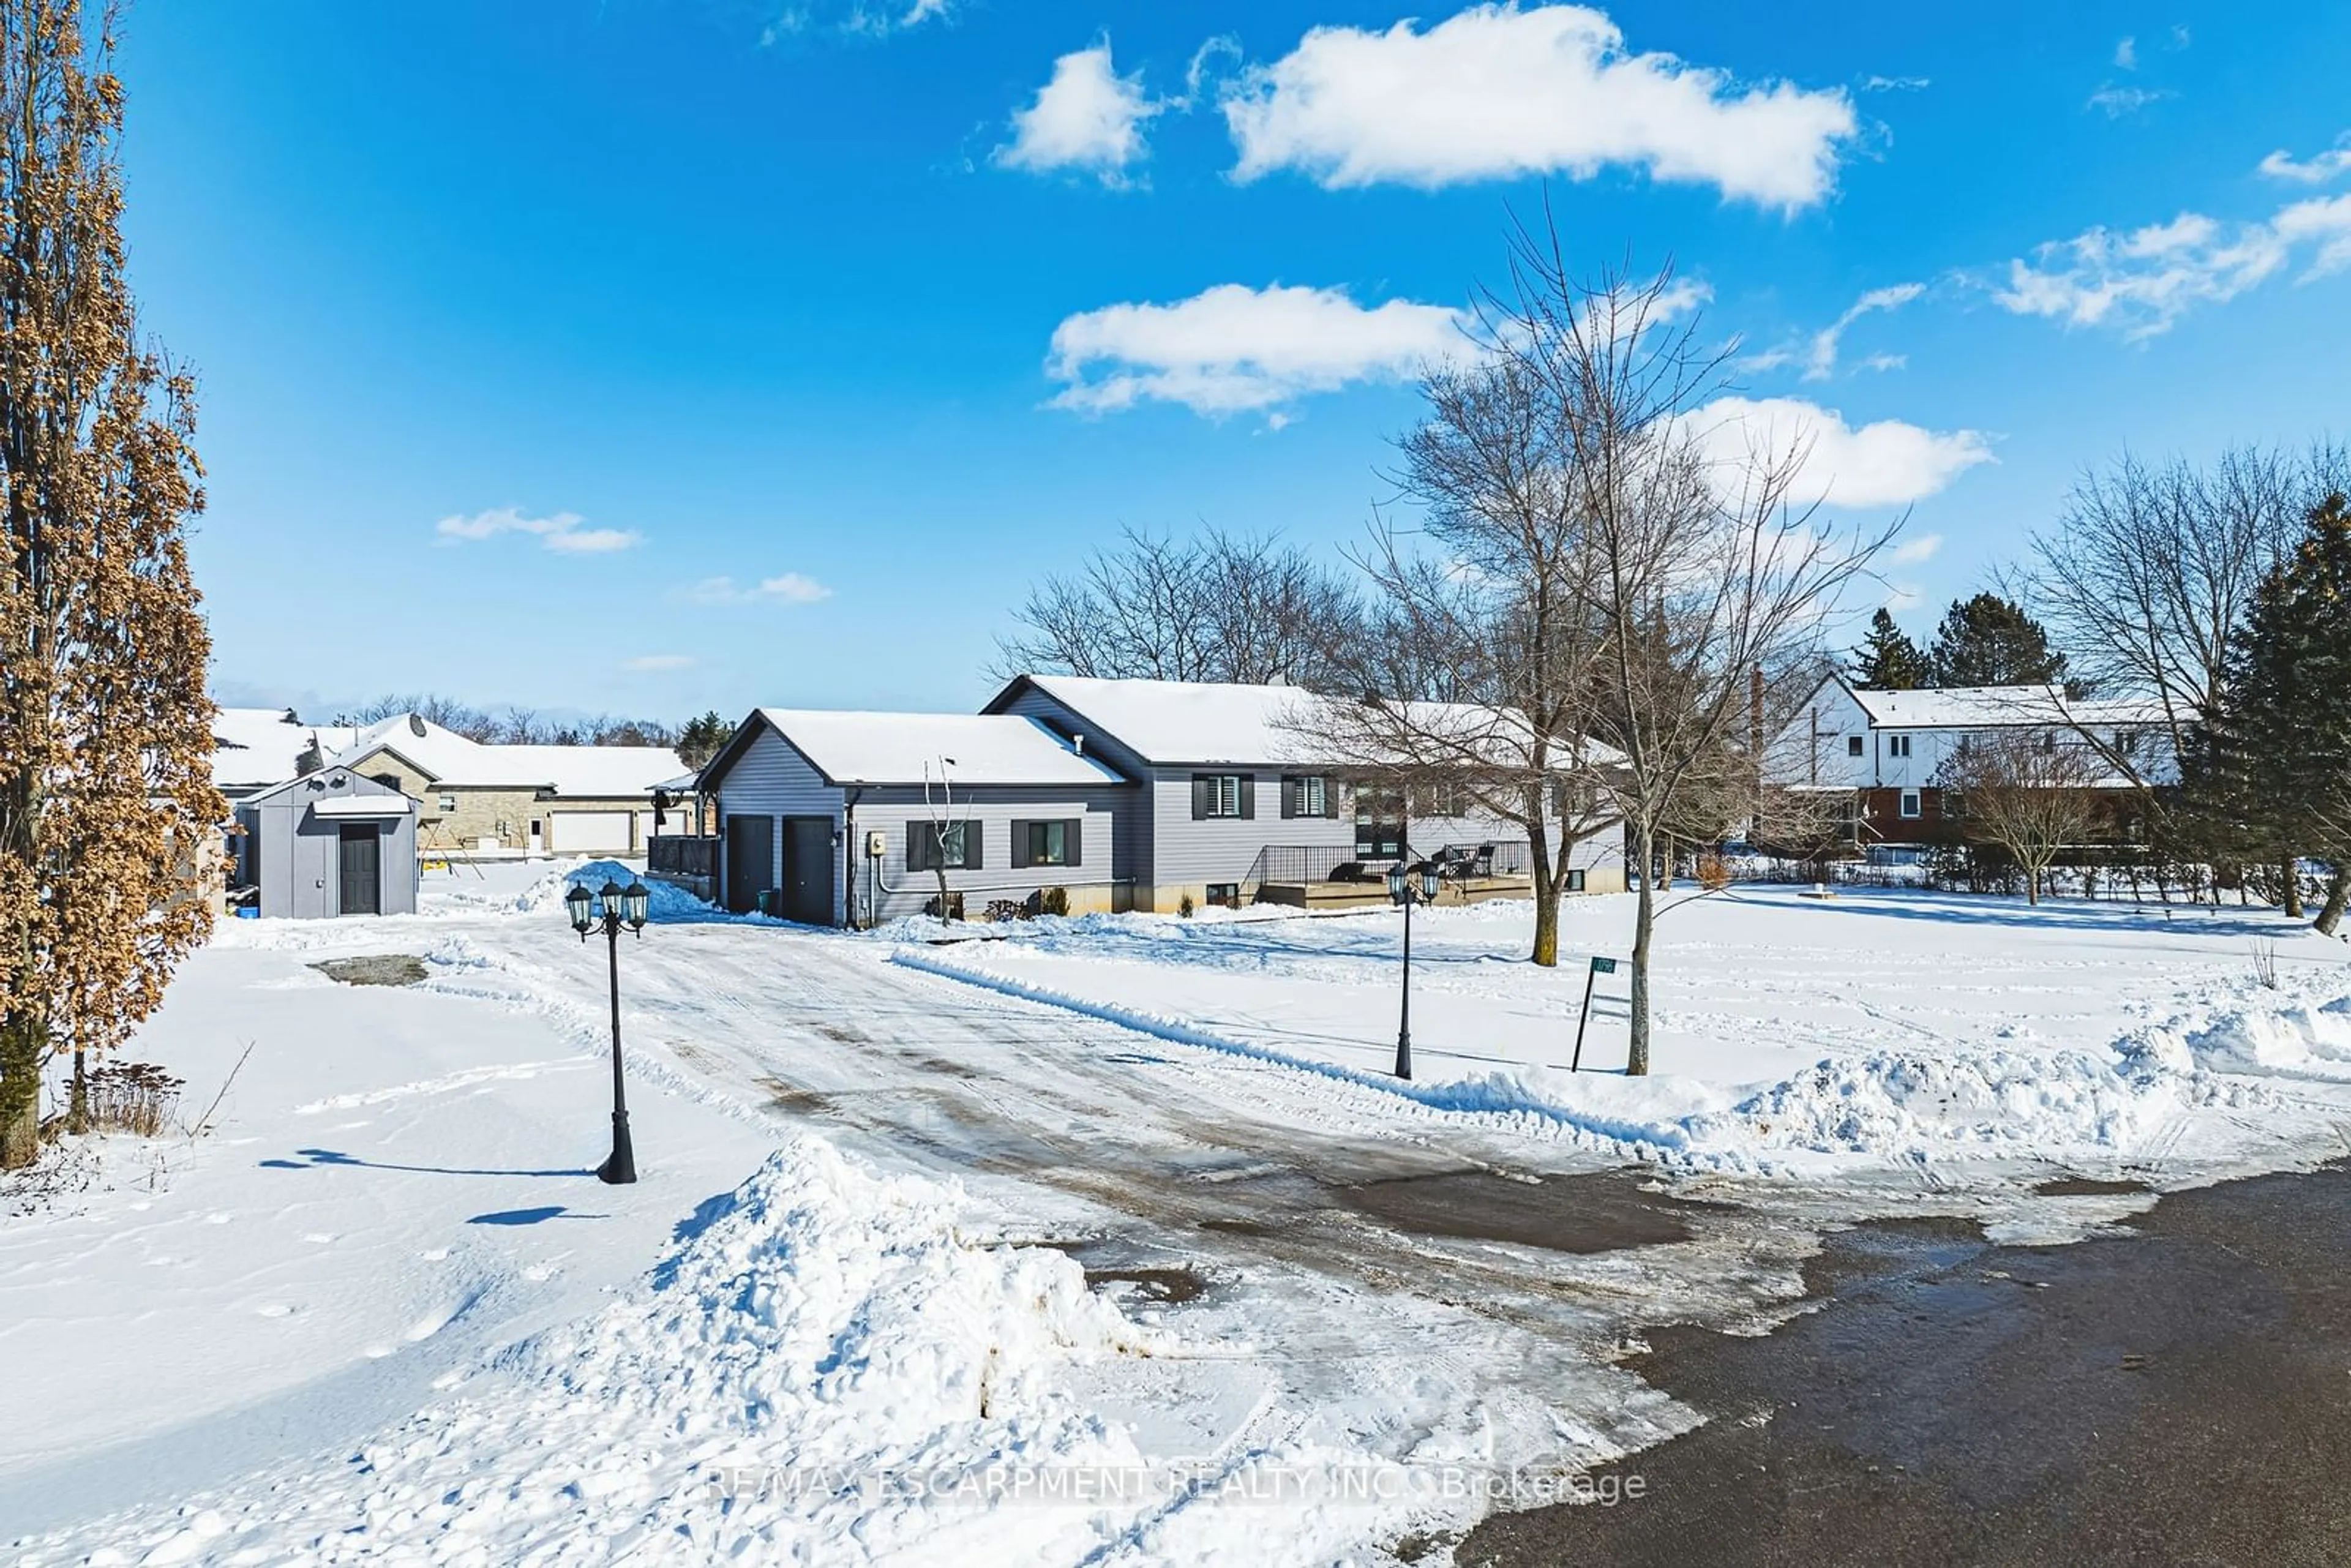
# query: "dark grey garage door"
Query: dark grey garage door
751,861
807,870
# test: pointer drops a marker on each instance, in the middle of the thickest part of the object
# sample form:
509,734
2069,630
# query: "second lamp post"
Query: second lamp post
1408,885
613,908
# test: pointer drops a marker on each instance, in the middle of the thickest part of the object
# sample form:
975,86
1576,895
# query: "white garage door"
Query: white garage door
579,832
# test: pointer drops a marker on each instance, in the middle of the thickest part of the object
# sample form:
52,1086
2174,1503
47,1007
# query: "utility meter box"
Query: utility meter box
873,843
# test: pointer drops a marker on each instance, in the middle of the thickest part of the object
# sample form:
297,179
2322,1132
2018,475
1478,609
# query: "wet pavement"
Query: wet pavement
1588,1213
2179,1392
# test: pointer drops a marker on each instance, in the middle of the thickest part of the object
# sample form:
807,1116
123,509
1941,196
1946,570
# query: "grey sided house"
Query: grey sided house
843,817
328,843
1240,793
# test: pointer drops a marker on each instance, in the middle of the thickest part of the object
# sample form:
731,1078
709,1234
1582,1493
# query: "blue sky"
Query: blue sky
658,355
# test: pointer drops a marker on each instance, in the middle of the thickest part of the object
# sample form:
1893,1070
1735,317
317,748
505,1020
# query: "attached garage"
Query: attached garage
590,832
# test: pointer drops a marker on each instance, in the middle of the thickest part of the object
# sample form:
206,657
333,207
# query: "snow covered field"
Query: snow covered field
384,1311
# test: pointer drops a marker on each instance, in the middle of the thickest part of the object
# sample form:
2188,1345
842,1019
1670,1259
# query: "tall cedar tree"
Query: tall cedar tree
107,806
1889,661
2274,769
1989,640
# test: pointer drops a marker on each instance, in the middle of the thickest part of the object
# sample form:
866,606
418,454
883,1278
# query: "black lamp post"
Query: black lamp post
1403,892
613,908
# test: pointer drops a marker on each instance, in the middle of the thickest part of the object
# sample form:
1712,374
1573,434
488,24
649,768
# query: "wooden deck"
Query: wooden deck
1314,895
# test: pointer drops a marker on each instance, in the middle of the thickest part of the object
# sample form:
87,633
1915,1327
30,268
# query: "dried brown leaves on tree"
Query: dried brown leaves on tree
107,807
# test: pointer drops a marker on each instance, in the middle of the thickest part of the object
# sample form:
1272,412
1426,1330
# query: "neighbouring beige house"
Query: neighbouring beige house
486,800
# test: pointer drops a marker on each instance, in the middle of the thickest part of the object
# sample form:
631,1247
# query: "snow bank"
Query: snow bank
823,1340
2302,1041
1921,1105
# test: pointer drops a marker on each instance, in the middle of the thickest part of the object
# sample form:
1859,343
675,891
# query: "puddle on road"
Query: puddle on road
2089,1186
1605,1212
375,969
1174,1286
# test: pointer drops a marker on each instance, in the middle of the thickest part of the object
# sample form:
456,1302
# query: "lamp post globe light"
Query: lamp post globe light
612,907
1408,885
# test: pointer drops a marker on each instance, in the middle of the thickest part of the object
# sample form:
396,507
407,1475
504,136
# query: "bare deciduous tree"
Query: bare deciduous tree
1702,568
2031,791
1478,669
1215,607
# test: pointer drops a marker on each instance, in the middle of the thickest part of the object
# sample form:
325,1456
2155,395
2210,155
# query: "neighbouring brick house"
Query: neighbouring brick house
487,800
1884,753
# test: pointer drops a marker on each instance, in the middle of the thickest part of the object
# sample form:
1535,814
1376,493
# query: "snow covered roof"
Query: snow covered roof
255,745
1169,722
1995,707
1185,721
853,748
452,759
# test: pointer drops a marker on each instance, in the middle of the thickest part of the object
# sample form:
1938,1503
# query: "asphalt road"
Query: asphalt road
2177,1394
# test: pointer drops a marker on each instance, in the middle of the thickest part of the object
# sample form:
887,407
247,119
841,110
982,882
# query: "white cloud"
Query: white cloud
2323,221
1088,117
2127,55
2336,160
592,541
559,532
1888,463
1495,92
2143,280
1822,357
1884,361
857,18
1232,349
1910,552
2118,101
1896,84
789,588
655,662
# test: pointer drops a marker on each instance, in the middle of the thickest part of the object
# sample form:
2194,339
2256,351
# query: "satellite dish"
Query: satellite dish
416,727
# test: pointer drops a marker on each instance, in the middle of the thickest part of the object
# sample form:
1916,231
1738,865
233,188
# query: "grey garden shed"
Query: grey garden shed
328,843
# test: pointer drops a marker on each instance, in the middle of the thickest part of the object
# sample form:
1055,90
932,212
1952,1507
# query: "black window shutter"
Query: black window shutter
973,836
1203,786
1330,797
1076,841
1020,843
917,836
1289,797
1248,796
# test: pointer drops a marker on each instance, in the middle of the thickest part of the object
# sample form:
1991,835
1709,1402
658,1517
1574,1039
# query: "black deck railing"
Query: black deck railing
682,854
1294,865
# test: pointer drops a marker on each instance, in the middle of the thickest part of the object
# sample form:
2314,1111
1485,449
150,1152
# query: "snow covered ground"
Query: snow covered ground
1791,1033
384,1311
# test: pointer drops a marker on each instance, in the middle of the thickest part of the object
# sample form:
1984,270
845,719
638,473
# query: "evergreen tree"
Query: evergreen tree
1887,660
107,809
1989,640
2271,774
703,738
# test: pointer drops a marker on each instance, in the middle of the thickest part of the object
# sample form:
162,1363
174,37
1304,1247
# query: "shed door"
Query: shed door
751,861
807,870
574,832
360,872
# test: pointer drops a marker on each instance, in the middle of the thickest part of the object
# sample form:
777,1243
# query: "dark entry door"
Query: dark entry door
362,870
751,861
807,870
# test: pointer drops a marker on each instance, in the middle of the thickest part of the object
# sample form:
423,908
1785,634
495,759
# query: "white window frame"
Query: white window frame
1223,797
1911,807
1897,746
